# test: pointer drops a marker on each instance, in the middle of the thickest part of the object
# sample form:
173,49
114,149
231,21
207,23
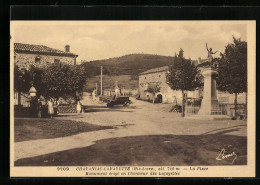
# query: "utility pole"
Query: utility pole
101,82
96,89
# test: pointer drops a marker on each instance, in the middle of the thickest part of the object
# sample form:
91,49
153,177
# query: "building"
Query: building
167,95
26,55
157,76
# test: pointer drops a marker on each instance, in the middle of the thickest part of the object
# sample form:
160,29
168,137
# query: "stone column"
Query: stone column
214,98
209,103
206,101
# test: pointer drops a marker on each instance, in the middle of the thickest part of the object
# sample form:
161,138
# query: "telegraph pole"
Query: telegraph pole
101,81
96,89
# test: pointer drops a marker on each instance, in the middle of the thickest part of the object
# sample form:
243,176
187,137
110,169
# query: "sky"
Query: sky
95,40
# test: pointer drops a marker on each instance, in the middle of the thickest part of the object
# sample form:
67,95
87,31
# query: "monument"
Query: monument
117,89
209,104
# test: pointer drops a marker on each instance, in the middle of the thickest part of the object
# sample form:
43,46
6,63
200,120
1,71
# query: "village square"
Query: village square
131,109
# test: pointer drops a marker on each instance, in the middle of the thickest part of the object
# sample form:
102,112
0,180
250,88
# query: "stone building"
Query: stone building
26,55
157,76
167,95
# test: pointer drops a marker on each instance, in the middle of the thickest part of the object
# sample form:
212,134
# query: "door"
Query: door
159,98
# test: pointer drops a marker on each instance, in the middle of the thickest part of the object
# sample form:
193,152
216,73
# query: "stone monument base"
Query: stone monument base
214,110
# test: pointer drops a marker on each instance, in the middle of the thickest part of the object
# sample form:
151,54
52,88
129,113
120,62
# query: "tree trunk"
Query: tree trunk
153,99
19,97
183,104
235,104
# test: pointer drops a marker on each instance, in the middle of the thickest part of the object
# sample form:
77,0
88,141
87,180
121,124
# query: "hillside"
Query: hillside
132,64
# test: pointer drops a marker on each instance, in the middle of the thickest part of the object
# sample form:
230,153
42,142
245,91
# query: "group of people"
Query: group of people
37,107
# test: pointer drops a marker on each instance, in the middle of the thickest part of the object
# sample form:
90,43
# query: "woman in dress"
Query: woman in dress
50,107
79,107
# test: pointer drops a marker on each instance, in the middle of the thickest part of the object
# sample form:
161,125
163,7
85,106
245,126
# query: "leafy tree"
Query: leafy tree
181,53
63,81
183,75
53,81
22,79
233,69
153,88
77,79
36,76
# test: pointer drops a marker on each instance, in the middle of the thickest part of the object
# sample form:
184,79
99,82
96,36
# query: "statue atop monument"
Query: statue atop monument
210,53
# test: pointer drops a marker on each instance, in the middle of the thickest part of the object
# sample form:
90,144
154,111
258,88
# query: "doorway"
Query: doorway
159,98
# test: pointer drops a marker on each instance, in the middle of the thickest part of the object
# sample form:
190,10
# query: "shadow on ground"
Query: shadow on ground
103,108
39,128
225,130
152,150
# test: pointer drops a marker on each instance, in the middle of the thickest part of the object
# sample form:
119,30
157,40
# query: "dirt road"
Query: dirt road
140,118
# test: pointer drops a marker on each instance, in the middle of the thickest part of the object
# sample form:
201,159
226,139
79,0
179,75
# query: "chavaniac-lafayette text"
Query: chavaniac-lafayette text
127,168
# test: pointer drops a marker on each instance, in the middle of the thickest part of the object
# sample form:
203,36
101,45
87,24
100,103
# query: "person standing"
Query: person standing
79,107
39,109
33,107
50,107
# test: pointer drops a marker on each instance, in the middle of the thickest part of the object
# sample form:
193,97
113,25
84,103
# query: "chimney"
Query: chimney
67,48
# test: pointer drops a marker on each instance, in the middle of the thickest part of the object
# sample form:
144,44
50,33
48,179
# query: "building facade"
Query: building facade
26,55
157,76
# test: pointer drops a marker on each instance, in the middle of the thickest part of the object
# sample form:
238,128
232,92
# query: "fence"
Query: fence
192,106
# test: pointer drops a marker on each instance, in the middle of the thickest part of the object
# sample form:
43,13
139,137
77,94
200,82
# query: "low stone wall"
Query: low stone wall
67,108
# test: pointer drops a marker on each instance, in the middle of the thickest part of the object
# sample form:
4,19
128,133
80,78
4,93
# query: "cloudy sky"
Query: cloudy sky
93,40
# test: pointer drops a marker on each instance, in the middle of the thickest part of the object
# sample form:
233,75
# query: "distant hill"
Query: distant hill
132,64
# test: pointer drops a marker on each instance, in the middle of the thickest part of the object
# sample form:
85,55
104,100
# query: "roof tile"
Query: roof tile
40,49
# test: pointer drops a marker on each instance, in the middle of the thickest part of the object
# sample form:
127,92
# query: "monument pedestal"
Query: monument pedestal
209,104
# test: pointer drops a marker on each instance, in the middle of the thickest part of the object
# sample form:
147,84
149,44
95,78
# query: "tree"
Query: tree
232,69
183,75
36,76
63,81
153,88
77,79
53,81
22,81
181,53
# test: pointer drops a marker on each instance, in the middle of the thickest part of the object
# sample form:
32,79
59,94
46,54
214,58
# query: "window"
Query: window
38,59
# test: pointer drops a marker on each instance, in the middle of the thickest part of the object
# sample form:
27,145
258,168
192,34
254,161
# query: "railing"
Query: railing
192,105
241,110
